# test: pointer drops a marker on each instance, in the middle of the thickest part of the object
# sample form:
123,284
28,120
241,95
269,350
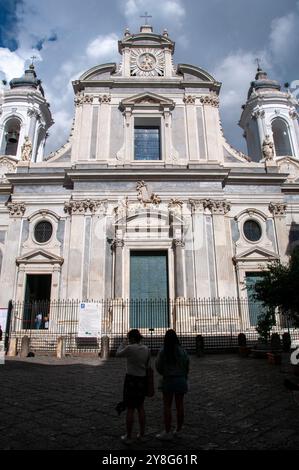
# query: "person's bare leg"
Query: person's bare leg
179,403
141,418
167,400
130,422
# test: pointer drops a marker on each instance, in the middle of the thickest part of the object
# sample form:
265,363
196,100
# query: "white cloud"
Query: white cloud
284,35
103,47
12,64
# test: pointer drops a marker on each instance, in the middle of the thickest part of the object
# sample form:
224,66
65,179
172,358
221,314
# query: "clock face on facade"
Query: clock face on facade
147,62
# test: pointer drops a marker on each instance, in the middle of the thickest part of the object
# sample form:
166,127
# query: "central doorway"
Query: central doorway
149,289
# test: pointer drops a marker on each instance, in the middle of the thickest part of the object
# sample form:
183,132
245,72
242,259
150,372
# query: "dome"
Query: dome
262,82
28,79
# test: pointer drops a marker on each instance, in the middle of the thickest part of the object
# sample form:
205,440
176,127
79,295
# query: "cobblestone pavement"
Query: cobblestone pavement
233,403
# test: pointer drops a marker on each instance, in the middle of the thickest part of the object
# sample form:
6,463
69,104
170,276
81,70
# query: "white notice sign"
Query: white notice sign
90,319
3,320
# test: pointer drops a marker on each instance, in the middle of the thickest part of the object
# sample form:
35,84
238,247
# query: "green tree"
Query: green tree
279,288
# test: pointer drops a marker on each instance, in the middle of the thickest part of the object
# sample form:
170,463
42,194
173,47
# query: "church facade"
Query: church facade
147,199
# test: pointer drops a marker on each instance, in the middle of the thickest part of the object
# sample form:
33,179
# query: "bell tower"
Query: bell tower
270,120
25,118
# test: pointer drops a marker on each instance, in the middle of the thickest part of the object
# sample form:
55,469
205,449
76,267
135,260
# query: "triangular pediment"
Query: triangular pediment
147,99
39,257
256,254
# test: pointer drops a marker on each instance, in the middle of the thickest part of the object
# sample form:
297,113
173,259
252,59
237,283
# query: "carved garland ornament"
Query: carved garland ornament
80,99
211,100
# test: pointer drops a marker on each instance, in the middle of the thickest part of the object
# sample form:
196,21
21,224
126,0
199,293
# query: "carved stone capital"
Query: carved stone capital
293,114
83,206
16,209
189,99
104,98
277,208
210,100
215,206
258,114
83,99
117,243
178,242
175,204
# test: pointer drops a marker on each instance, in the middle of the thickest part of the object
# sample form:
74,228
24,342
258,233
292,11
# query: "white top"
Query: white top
137,355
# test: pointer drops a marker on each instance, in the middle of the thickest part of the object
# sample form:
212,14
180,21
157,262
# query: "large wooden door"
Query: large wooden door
148,289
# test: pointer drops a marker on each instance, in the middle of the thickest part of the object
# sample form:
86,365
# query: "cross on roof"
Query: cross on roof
33,58
258,63
146,16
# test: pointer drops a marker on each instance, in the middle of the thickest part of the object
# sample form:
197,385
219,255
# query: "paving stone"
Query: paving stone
233,403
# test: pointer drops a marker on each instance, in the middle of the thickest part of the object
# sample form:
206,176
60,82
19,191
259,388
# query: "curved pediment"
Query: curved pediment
147,99
191,71
97,72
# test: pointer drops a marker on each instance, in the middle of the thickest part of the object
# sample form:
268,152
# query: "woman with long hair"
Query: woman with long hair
138,357
173,364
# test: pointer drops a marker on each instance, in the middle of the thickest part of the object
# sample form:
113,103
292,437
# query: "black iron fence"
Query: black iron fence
82,324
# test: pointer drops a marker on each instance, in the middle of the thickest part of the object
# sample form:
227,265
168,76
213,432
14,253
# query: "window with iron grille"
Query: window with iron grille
147,143
252,230
43,231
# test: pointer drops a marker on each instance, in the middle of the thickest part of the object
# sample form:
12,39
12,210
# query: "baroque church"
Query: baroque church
146,199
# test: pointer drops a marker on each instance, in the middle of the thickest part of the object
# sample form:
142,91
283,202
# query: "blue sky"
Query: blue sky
222,36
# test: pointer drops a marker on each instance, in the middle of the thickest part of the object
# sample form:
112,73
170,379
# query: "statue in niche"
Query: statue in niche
268,148
26,150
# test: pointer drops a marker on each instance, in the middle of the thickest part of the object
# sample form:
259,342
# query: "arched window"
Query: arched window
12,134
281,138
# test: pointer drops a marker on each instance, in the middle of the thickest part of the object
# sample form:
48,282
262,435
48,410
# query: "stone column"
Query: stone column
86,124
117,245
223,254
199,242
192,134
178,245
11,252
77,209
278,210
103,138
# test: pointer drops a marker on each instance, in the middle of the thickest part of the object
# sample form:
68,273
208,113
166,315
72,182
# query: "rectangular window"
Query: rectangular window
147,143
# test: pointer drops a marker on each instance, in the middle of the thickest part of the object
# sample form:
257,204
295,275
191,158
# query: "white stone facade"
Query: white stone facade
192,203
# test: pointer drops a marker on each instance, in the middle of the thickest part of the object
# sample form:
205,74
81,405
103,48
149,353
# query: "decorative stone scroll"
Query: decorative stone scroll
16,209
277,208
83,206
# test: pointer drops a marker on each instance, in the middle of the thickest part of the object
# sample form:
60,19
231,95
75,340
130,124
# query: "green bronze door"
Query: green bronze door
255,307
148,289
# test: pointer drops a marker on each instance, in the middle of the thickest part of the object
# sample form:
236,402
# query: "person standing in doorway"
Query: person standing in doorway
135,384
173,364
38,321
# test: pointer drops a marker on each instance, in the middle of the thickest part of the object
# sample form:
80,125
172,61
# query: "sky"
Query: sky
223,37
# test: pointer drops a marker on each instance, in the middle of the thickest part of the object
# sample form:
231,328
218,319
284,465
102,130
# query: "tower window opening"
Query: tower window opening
281,138
12,134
